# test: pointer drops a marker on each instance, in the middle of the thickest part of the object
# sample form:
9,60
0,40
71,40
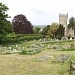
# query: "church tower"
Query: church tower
63,20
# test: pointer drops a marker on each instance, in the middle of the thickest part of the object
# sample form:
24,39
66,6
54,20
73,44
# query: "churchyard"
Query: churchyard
26,50
37,57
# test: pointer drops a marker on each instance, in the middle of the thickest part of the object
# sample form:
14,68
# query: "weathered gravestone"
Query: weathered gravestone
72,67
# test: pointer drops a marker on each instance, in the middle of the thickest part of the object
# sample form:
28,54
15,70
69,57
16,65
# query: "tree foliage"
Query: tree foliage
36,30
52,30
21,25
72,24
5,26
45,30
56,31
60,32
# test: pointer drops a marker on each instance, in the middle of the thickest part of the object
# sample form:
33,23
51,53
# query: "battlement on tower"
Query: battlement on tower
63,19
63,15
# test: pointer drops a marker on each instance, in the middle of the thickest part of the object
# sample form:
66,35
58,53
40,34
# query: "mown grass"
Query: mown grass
16,64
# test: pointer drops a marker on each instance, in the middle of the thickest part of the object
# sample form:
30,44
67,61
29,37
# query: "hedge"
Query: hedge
22,37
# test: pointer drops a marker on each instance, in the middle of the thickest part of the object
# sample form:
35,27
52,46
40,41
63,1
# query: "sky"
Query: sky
40,12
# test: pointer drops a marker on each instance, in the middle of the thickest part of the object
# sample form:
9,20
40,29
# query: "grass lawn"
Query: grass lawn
16,64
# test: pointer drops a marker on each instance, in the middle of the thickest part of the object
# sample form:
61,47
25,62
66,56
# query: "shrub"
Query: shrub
7,53
11,38
30,37
69,49
23,52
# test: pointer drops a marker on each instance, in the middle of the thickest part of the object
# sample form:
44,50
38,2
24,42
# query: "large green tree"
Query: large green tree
60,32
52,30
72,24
45,30
5,26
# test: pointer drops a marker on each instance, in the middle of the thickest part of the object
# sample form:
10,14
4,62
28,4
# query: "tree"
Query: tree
60,31
52,30
5,26
21,25
72,24
36,30
29,28
45,30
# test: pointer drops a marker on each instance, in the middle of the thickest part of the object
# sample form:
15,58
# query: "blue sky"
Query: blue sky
40,12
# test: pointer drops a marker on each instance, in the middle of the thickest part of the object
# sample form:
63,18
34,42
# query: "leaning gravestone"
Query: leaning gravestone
72,67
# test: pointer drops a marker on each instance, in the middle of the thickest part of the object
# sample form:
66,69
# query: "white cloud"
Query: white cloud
40,11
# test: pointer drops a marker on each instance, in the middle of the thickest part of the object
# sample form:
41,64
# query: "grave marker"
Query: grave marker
72,67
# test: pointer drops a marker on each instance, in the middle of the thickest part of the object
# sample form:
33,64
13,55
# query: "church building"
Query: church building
63,19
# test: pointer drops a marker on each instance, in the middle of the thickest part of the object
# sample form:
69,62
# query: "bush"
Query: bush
29,37
11,38
23,52
69,49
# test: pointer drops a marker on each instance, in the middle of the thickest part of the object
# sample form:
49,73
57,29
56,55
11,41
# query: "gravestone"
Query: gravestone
40,40
10,48
16,45
72,67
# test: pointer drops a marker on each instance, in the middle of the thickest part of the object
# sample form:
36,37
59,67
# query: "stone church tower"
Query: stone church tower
63,20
